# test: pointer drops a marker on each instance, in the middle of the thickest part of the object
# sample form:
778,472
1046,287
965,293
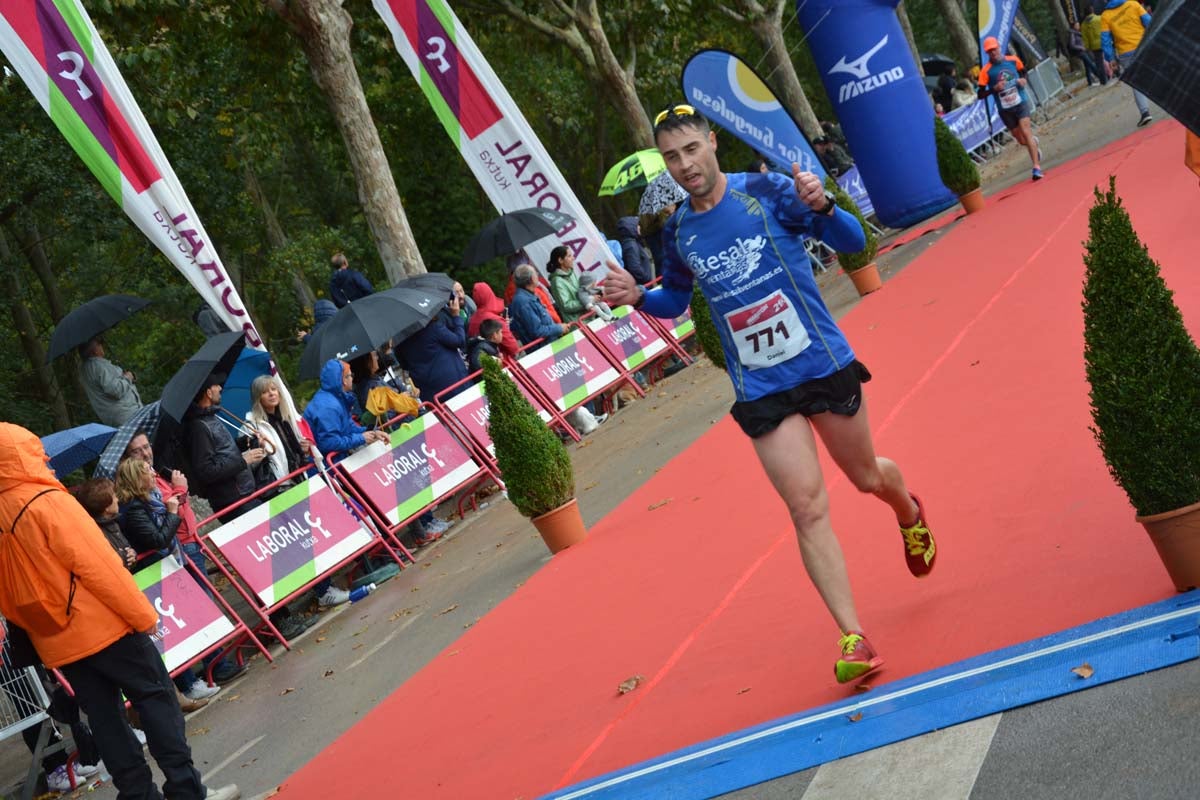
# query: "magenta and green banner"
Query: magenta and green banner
681,327
569,370
53,46
189,621
470,409
419,465
291,540
628,337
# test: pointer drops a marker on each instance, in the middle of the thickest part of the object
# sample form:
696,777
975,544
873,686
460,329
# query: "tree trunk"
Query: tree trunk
30,241
616,81
963,42
323,28
275,235
902,14
781,73
1062,28
31,343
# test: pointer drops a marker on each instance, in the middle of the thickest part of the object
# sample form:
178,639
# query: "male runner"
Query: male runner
1004,77
741,236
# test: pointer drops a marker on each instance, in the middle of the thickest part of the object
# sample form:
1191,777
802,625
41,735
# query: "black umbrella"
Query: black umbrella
369,322
90,320
936,63
218,354
434,281
508,233
1167,65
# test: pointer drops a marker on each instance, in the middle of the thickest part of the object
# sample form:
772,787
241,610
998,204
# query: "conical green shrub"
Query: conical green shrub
1143,367
706,331
534,464
955,166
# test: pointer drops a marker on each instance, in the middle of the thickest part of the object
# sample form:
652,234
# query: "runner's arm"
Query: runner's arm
666,302
841,231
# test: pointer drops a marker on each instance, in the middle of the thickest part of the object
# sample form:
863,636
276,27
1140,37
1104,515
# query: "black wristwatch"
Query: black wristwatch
641,301
829,204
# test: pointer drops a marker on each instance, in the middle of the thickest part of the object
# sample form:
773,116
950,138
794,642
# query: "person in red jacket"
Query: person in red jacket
488,306
104,649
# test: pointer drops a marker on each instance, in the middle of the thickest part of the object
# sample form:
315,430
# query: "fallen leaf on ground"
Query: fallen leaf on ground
584,443
233,697
659,504
1084,670
328,672
452,653
360,644
629,684
743,691
198,732
363,630
320,639
862,687
855,717
288,690
447,610
590,486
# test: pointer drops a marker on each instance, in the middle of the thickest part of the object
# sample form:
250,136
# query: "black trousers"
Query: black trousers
131,665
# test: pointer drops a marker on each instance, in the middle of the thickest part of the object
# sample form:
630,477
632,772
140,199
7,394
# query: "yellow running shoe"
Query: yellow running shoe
919,548
858,657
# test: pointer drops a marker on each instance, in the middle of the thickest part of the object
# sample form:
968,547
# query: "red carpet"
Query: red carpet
979,394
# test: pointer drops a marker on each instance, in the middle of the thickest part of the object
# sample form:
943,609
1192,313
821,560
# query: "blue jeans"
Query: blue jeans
1125,59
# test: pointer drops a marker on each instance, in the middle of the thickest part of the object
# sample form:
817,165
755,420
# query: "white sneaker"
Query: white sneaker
601,418
201,691
139,735
333,596
60,781
230,792
85,772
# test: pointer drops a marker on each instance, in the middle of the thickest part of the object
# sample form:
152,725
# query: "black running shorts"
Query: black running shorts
1011,117
839,393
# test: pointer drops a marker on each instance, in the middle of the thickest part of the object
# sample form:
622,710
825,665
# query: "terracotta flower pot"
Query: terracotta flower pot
1176,537
866,279
972,202
561,527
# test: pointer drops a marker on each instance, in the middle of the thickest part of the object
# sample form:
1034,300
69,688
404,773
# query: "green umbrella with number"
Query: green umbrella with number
632,171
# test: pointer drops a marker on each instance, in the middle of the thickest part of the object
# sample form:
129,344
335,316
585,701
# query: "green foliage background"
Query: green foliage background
227,90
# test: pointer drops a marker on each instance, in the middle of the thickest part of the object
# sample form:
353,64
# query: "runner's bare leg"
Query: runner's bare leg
789,456
1026,128
849,442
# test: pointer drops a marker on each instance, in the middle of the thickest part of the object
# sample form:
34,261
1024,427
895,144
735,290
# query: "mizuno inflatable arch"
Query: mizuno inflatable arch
880,100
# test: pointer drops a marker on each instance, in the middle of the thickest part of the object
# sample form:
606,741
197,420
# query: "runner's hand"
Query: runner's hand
620,288
809,188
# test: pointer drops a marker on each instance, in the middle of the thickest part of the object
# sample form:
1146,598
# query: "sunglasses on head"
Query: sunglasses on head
681,110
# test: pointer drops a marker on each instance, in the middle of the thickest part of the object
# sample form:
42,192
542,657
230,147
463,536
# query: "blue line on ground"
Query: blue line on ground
1126,644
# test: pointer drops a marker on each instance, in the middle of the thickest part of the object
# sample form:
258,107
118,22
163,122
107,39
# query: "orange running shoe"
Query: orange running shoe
919,548
858,657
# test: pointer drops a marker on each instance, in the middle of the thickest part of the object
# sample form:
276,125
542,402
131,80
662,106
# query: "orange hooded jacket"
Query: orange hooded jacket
60,535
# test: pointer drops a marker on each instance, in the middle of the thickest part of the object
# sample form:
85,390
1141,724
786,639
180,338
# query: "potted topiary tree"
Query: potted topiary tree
859,266
533,462
706,332
1144,371
956,168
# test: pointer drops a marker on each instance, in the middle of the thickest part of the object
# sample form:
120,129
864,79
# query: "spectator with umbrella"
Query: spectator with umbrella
530,320
109,388
71,449
541,288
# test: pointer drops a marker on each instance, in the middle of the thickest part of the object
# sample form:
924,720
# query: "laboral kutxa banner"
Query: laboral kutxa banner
189,621
421,463
290,540
569,370
493,136
54,47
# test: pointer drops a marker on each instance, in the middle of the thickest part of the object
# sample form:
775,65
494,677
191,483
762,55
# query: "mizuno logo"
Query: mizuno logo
858,67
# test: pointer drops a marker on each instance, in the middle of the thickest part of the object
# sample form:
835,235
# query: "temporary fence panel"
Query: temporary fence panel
1045,83
629,337
569,370
23,701
469,410
291,540
421,464
189,621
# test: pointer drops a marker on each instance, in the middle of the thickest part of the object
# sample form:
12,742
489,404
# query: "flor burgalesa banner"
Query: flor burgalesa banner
54,47
483,121
728,92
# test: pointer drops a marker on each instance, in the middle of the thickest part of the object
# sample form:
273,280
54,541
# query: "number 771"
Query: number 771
769,333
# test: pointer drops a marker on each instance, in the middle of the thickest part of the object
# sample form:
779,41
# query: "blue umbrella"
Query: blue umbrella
71,449
235,393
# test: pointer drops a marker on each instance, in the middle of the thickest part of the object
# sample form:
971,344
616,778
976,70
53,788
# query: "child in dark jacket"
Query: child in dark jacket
491,332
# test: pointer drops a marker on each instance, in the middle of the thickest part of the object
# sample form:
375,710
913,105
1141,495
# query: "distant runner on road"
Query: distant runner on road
741,237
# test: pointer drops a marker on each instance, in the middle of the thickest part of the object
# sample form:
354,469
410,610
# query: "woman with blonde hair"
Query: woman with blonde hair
148,523
275,420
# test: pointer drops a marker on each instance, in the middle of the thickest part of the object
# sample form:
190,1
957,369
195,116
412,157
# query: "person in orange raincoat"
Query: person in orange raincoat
104,648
